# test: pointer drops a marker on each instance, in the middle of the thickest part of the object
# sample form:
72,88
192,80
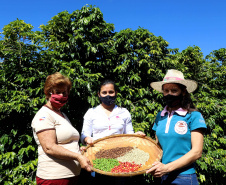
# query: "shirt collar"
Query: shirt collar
179,111
101,108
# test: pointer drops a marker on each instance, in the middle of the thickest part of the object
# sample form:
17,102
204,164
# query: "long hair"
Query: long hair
187,102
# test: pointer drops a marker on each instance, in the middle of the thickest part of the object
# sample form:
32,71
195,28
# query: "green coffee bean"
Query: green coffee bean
105,164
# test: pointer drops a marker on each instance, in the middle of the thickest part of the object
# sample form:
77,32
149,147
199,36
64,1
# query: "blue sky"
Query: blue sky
182,23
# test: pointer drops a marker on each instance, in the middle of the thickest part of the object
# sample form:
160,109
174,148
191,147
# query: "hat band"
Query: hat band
172,78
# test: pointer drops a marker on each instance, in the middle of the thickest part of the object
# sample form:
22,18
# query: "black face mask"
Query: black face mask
173,101
108,100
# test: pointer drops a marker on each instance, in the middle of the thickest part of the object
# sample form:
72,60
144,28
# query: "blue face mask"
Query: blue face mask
108,100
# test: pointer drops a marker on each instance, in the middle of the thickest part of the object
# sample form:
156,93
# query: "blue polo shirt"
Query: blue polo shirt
174,134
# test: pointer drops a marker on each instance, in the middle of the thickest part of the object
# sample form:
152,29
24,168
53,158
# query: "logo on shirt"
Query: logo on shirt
42,118
181,127
201,119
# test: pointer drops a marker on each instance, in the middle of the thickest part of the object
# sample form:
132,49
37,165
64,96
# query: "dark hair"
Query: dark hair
187,102
105,82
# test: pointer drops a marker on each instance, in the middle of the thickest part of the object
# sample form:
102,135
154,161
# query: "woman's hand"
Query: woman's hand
49,144
195,153
85,163
140,133
82,148
88,140
158,170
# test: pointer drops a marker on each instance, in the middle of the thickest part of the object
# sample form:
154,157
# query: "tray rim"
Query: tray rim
125,174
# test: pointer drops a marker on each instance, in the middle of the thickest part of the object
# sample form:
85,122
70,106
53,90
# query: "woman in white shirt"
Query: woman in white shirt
59,157
106,119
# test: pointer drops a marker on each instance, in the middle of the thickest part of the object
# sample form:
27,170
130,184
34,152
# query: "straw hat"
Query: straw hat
175,76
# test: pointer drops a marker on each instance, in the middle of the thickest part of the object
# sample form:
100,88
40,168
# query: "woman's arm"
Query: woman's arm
128,127
87,132
87,128
49,144
159,169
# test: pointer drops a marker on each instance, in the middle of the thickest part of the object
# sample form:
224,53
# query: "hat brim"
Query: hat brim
190,84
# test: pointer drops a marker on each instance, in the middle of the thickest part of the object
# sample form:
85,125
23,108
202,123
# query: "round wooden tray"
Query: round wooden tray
123,140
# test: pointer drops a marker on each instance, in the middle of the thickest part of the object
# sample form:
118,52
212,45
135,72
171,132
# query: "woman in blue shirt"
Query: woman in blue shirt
179,130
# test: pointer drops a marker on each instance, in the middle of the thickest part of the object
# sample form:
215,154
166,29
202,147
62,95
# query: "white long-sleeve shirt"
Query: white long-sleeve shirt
97,124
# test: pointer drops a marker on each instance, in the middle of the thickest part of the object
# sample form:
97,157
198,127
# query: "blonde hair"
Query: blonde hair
55,81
